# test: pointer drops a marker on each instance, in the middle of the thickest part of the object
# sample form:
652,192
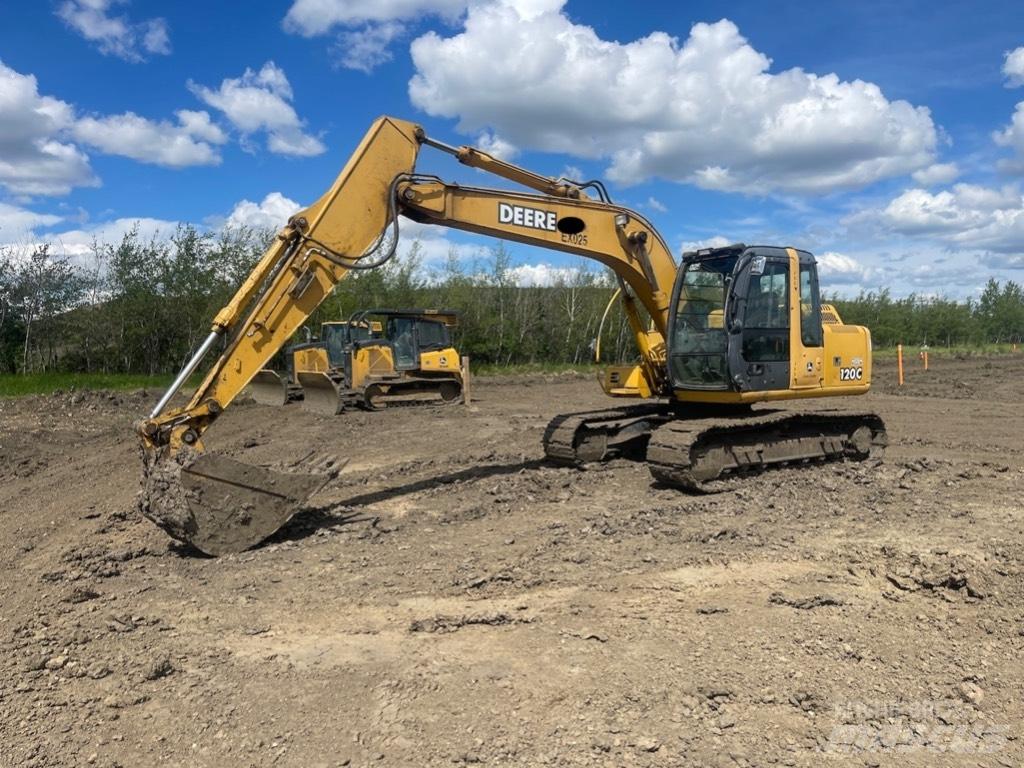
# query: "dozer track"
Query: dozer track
411,392
699,454
328,396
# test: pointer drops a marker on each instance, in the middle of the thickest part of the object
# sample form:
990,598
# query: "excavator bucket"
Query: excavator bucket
219,505
319,393
267,388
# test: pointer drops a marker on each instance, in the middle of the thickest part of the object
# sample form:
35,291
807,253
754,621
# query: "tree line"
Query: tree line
996,316
141,306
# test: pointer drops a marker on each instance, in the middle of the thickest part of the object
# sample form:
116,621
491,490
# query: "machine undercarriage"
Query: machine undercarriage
701,451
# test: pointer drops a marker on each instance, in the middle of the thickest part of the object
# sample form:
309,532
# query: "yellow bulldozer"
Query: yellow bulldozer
376,357
717,333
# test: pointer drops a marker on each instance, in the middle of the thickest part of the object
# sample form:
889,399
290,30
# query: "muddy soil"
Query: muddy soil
451,599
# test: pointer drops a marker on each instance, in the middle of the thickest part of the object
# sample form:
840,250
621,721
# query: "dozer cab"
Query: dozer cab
724,331
376,357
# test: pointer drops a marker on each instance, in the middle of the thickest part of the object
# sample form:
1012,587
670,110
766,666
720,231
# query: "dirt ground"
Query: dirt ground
451,599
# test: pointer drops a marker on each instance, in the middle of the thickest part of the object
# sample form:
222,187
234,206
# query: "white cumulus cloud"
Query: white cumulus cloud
529,275
840,269
706,111
711,242
1013,67
79,242
368,47
936,174
1012,136
272,212
261,102
494,145
965,217
189,142
35,157
115,35
17,223
366,29
42,139
317,17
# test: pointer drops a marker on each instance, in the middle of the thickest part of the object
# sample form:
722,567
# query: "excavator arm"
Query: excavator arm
220,505
342,231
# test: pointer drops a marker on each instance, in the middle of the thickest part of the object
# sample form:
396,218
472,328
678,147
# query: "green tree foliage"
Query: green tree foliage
997,316
141,306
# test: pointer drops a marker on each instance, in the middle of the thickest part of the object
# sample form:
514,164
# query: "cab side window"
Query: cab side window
810,307
432,335
766,325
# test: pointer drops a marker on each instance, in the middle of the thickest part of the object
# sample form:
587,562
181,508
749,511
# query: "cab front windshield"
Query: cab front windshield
699,344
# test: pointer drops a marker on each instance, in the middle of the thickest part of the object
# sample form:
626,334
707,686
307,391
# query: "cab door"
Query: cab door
401,333
760,320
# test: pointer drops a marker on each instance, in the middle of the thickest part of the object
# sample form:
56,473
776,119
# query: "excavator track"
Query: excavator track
579,438
701,454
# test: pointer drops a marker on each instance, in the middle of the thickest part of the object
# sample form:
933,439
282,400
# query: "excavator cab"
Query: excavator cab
747,322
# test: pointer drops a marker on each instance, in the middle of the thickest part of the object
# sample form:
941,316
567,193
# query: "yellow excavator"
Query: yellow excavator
723,330
376,357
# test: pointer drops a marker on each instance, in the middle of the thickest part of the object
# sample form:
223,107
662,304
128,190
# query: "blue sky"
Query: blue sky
887,138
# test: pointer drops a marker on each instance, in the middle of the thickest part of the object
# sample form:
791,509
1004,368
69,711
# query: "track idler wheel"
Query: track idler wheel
374,398
450,391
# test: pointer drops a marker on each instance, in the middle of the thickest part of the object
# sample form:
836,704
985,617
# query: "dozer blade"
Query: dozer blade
219,505
267,388
320,393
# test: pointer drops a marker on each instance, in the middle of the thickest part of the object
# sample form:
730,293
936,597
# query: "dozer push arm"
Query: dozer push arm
307,259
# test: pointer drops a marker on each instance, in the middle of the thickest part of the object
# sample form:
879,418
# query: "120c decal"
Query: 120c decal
851,374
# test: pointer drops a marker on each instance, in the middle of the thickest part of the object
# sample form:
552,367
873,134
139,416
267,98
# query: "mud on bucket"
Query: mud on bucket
219,505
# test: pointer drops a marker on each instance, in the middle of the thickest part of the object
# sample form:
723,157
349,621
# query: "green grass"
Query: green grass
46,383
492,369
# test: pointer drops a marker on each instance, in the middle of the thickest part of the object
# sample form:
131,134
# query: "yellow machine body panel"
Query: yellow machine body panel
443,360
313,360
376,361
624,381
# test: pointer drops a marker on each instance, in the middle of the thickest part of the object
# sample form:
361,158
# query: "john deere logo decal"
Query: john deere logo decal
533,218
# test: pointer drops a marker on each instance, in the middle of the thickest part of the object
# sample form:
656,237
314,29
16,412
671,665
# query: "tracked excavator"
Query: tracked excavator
725,329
